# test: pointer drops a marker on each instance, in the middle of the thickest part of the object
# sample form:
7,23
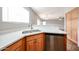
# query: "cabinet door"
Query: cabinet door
74,29
35,42
19,49
71,46
39,44
17,46
72,25
68,27
59,43
30,46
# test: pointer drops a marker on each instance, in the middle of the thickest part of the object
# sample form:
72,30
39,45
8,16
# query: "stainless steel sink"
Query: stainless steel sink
61,29
30,31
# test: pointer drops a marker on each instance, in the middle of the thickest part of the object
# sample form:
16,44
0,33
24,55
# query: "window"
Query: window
15,14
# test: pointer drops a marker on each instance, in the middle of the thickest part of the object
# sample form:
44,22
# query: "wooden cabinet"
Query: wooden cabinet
74,29
75,13
29,43
40,41
59,44
30,46
69,24
40,44
17,46
35,42
71,46
55,42
72,24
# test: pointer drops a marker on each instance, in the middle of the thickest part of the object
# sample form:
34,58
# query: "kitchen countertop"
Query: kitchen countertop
7,38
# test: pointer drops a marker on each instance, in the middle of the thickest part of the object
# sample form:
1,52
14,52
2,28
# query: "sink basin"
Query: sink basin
61,29
30,31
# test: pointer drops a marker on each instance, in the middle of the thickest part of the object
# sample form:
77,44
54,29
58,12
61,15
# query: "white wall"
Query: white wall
55,23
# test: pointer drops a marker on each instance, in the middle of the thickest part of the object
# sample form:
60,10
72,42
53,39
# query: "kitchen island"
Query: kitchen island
7,39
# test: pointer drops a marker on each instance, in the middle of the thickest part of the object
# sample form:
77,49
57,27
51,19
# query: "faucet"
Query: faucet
31,27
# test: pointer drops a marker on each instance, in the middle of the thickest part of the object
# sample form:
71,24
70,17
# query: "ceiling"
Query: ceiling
51,12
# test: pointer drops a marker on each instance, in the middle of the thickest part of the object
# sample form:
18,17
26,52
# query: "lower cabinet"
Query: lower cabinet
71,46
30,46
17,46
29,43
59,43
55,42
40,44
35,42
